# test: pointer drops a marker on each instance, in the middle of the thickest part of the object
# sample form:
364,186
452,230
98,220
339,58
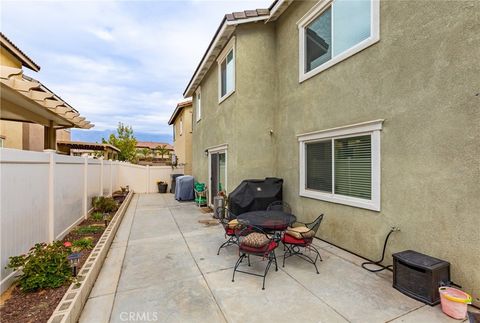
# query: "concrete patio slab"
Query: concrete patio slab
187,300
163,267
152,263
283,300
97,309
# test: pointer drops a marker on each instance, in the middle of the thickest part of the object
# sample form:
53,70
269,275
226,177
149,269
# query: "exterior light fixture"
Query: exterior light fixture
206,153
106,218
74,258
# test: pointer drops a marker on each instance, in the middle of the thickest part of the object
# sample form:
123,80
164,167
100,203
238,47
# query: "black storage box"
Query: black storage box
419,276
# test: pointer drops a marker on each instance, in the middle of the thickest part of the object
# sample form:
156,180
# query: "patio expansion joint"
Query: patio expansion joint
314,295
406,313
198,267
123,261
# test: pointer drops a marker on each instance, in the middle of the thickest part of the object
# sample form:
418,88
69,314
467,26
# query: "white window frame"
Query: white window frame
316,11
223,56
198,104
372,128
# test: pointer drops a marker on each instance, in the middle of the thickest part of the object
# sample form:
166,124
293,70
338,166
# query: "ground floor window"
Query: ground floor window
342,165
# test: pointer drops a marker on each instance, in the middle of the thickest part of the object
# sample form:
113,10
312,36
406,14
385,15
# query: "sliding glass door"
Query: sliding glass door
218,173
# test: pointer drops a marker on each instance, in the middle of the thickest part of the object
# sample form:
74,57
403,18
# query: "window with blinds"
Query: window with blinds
353,167
347,171
342,165
319,166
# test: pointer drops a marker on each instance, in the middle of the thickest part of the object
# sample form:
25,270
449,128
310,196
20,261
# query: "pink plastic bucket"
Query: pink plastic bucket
454,302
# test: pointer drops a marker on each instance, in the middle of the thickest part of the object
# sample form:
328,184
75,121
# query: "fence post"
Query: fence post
85,187
101,177
111,177
51,196
148,179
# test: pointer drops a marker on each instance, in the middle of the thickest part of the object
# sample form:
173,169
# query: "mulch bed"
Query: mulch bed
39,306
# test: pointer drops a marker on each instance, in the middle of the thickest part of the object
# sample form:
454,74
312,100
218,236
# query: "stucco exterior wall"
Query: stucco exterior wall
183,142
13,134
243,121
422,78
7,59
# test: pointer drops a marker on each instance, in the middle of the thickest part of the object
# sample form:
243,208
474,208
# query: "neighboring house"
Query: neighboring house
182,123
153,153
32,116
369,111
88,149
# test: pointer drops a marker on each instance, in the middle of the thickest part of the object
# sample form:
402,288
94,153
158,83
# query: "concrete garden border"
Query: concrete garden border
71,305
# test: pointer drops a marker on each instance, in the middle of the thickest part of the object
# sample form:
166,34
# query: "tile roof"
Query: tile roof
18,53
247,14
178,108
152,144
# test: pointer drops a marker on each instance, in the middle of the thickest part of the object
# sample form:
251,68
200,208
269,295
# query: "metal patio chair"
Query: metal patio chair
266,251
225,217
295,242
279,206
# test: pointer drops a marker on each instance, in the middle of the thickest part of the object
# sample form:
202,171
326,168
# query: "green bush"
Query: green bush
89,229
44,266
97,216
84,243
104,204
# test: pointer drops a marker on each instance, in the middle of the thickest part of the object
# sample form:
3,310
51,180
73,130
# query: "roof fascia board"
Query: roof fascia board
212,45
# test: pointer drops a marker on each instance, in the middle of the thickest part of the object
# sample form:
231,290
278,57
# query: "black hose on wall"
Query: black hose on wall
378,263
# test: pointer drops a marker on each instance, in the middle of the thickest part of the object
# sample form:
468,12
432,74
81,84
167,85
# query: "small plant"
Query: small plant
44,266
104,204
89,229
82,244
97,216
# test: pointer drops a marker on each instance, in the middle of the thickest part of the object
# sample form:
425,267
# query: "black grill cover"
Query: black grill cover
255,195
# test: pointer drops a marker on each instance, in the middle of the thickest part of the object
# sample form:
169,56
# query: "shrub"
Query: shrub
84,243
44,266
104,204
89,229
97,216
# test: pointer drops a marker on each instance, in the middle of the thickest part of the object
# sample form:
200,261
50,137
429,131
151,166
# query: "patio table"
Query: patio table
268,220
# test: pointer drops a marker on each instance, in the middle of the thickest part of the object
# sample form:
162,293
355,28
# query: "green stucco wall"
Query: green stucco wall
250,147
423,78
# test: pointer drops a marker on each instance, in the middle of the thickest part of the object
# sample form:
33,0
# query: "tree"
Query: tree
162,150
125,141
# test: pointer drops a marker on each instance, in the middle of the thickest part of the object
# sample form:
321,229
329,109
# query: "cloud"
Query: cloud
114,61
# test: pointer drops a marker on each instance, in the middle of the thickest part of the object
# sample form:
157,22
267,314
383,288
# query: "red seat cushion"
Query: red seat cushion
292,240
229,232
262,250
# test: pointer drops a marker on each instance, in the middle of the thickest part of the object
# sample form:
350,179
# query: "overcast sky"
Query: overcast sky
127,61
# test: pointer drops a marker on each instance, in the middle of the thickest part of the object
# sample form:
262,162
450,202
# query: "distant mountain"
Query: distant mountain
97,135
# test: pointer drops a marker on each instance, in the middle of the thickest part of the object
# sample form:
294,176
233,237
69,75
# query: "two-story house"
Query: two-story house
369,111
181,122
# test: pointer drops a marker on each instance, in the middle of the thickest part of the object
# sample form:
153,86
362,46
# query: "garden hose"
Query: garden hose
378,263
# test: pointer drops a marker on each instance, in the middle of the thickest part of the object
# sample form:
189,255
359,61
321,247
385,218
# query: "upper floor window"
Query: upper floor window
342,165
181,126
334,30
198,104
226,71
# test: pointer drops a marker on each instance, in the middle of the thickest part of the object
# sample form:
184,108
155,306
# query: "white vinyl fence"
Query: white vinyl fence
43,195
